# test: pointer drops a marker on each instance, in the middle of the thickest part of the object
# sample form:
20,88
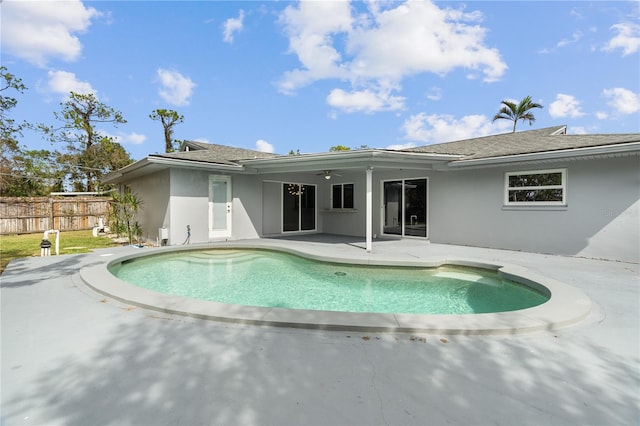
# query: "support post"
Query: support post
369,212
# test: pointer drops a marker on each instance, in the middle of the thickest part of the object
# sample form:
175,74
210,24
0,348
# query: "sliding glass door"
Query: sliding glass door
405,207
298,207
415,202
392,199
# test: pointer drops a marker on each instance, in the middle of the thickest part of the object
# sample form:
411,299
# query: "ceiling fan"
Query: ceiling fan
327,174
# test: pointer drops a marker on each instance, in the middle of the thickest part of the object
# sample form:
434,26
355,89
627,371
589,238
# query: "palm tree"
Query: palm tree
513,112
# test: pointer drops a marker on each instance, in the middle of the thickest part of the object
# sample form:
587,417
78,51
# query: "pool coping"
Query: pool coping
567,305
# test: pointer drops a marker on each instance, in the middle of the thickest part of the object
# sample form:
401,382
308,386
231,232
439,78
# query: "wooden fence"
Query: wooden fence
28,215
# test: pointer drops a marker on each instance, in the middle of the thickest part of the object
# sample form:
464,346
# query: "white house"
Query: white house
539,191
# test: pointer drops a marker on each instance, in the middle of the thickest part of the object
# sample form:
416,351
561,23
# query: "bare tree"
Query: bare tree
168,118
90,154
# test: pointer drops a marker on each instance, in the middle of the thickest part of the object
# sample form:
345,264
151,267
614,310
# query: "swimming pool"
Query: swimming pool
273,279
567,305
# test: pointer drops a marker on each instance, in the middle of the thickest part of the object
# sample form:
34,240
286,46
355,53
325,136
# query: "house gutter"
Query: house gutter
356,154
149,161
632,148
198,164
345,159
125,170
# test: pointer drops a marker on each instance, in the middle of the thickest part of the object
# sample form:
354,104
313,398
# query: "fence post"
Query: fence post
52,224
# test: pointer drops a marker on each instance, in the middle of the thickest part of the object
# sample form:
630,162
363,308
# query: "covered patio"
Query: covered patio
73,356
366,162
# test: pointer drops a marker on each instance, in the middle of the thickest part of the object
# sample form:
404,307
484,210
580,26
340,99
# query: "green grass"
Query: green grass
15,246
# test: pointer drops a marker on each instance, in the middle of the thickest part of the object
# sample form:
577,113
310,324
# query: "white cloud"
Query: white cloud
627,39
578,130
575,37
310,28
401,146
576,13
366,100
231,26
601,115
383,44
133,138
435,94
264,146
63,82
565,106
624,101
418,37
436,128
175,88
37,31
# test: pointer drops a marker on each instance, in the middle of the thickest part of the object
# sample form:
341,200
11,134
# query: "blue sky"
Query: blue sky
277,76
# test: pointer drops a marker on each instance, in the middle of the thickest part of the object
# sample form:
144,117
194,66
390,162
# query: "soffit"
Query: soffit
348,160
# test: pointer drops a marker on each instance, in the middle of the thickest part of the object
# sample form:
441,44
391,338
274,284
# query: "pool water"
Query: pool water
280,280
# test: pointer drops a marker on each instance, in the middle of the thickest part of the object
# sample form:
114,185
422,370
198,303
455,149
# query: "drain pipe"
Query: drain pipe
46,237
188,235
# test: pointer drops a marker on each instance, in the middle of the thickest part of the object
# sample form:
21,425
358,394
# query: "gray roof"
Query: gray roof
526,142
544,144
213,153
194,145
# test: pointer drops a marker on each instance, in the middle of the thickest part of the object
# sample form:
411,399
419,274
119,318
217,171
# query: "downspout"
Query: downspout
369,210
46,237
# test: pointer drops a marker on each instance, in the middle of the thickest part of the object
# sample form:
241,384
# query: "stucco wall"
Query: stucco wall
348,222
153,190
466,207
189,206
609,197
601,220
271,218
247,206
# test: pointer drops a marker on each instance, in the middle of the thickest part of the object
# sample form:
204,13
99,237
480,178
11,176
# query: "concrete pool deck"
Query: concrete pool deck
70,355
567,305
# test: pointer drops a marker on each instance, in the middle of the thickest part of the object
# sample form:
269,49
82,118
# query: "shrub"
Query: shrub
122,220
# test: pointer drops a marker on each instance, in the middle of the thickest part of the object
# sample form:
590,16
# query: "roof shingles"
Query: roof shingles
506,144
213,153
526,142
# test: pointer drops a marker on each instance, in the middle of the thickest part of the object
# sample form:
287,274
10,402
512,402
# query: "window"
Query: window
342,196
539,187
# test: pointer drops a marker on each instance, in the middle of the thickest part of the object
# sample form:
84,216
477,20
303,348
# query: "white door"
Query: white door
219,206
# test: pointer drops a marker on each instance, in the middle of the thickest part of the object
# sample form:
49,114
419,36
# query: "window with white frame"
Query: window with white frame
536,188
342,196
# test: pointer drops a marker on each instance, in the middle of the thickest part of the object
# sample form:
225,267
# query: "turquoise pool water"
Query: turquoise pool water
275,279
